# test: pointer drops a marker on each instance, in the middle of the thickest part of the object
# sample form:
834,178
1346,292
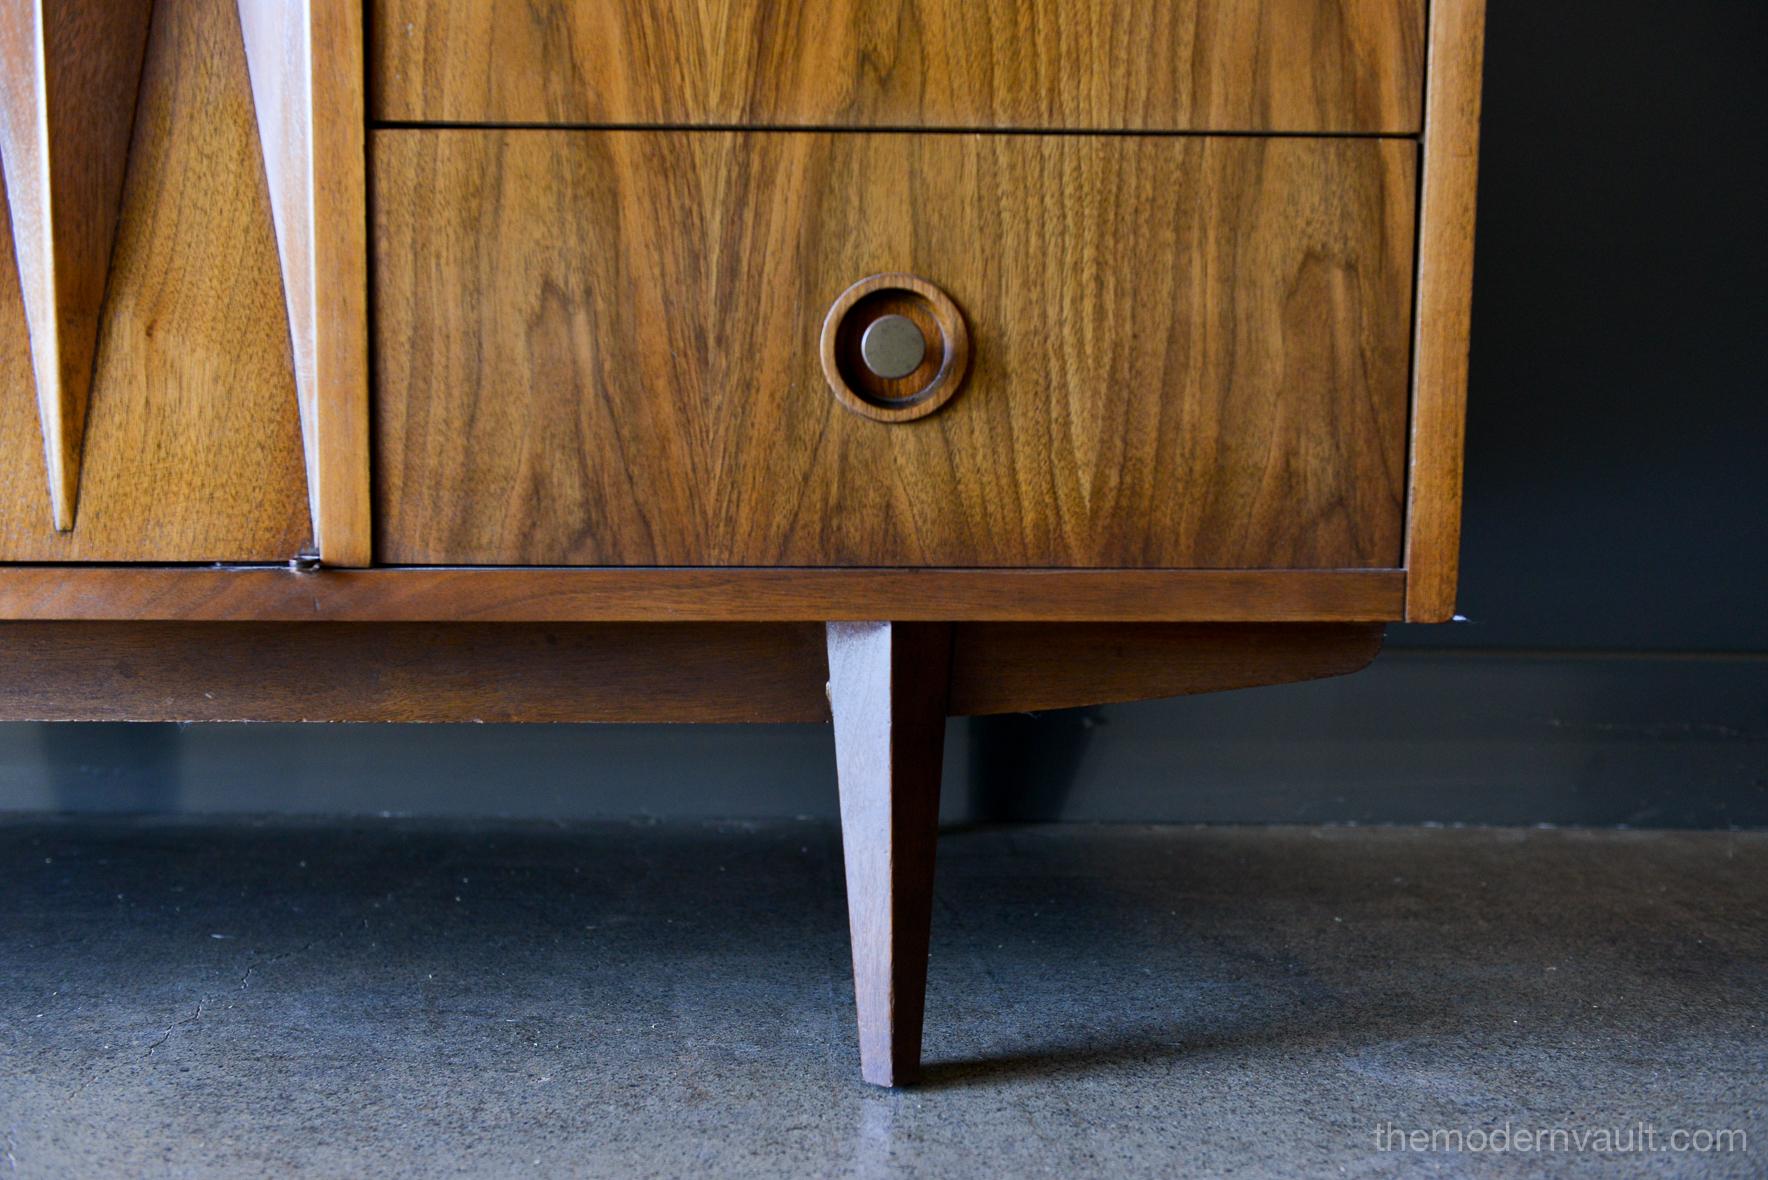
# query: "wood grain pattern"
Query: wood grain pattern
1025,667
192,449
1195,65
887,692
613,672
656,595
476,672
69,71
305,60
1445,307
1188,352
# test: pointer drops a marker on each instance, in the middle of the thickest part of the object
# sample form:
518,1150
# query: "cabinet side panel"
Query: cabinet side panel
1445,297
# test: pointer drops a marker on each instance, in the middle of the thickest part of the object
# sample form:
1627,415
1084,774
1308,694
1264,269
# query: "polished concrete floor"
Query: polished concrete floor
398,998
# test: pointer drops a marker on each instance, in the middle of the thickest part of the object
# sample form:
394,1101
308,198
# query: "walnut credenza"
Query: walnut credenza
728,360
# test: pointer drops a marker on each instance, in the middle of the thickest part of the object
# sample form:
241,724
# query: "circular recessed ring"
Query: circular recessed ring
915,394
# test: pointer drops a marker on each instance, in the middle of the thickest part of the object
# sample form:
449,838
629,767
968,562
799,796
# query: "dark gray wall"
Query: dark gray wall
1422,736
1617,445
1615,570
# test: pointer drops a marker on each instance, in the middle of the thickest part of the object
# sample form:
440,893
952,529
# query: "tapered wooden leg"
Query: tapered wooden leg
887,689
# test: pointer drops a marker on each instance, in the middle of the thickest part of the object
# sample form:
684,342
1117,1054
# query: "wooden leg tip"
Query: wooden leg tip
887,1074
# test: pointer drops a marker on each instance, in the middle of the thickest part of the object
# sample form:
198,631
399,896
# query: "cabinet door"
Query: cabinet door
191,446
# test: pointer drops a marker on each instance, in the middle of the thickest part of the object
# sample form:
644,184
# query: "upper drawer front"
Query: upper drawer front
1155,65
601,348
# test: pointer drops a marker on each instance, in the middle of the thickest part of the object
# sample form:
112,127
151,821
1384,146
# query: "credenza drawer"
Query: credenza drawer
602,348
1175,65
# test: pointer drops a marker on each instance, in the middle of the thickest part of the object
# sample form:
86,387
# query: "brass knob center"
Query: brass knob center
893,347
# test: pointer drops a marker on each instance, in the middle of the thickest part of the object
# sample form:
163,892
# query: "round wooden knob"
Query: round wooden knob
894,348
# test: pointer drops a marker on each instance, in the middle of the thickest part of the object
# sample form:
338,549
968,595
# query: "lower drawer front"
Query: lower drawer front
601,348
